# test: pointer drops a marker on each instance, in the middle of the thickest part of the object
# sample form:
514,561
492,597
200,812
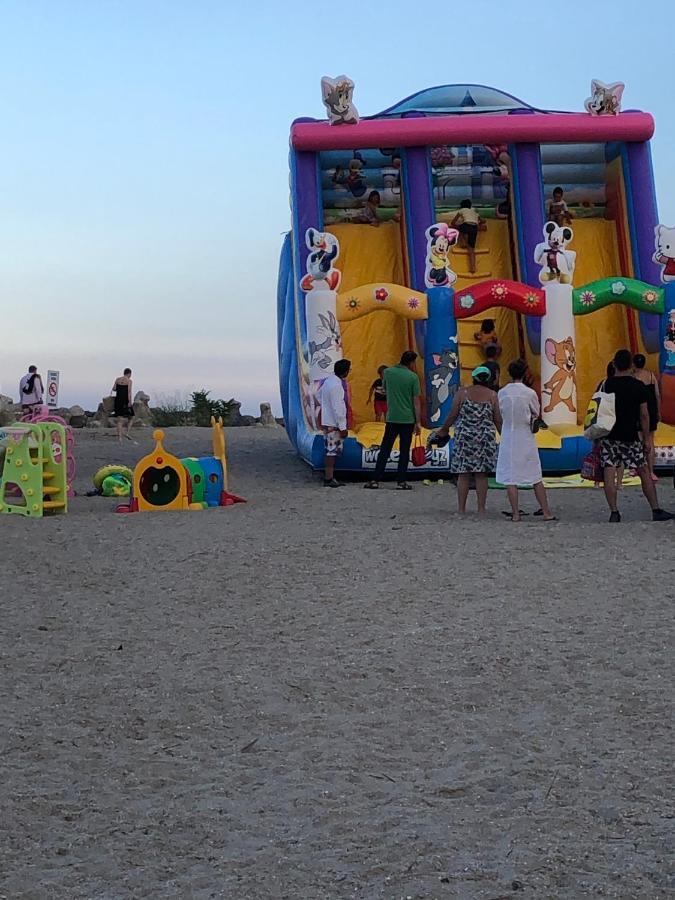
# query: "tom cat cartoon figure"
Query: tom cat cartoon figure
440,238
337,94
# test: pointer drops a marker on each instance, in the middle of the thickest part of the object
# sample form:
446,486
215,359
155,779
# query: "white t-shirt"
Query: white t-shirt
35,395
333,406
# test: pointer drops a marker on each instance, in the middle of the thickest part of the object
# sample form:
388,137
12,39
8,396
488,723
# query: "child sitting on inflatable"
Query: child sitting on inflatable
368,215
487,336
557,209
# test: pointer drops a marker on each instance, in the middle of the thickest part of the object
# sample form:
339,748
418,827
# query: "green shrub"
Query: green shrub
177,410
171,412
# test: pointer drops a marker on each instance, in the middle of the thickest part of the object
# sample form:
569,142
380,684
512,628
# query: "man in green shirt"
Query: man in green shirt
403,418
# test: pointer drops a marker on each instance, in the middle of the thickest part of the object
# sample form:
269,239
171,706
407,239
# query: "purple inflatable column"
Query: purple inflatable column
643,218
419,210
307,212
527,197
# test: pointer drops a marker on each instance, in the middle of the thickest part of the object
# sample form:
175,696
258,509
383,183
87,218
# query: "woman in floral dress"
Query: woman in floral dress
476,416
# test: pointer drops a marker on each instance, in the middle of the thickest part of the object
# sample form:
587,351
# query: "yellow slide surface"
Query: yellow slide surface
493,260
369,254
599,334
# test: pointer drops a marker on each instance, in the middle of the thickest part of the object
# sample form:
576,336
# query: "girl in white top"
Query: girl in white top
518,460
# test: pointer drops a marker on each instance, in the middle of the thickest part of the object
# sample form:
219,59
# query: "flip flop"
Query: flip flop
371,485
404,486
509,515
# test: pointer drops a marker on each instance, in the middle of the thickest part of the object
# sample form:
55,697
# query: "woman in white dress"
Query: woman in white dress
518,460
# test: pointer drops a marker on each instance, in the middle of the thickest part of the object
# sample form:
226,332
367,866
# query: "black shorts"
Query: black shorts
470,232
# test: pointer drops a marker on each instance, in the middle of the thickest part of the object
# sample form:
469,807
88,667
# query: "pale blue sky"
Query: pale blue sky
144,145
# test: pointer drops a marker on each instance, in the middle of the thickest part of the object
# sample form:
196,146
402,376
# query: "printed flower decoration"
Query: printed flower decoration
499,291
531,300
587,298
618,288
466,301
353,303
381,294
650,297
413,303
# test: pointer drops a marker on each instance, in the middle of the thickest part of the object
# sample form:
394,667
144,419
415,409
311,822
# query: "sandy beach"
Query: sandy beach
334,693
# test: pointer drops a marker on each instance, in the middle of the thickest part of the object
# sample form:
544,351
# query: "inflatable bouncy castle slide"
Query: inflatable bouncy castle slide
568,259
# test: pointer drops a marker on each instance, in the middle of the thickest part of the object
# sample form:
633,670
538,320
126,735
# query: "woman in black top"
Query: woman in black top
122,389
653,403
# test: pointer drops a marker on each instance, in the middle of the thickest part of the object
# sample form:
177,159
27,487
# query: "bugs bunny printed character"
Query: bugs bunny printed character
324,249
320,352
605,99
337,94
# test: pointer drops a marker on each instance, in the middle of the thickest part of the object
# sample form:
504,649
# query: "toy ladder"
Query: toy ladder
34,478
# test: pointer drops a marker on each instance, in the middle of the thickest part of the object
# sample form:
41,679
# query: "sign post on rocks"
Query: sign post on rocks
52,388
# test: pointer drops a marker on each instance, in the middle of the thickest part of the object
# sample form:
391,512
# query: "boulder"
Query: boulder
7,414
266,417
142,411
63,413
77,417
234,417
105,411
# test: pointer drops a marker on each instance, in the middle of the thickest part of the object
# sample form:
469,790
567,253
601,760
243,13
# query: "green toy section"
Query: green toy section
34,473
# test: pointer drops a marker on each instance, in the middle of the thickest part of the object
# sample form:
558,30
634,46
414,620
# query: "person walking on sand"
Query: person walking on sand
124,410
403,418
518,459
334,418
31,390
475,414
630,440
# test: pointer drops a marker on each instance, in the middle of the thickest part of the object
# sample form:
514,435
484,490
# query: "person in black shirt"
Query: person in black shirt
622,446
491,354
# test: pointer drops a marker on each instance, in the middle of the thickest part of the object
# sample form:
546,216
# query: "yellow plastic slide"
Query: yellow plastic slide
369,254
599,334
493,260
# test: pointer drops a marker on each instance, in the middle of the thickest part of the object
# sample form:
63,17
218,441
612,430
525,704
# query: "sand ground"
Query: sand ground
332,694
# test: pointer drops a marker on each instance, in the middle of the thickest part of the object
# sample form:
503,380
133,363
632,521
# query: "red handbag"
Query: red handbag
419,452
591,466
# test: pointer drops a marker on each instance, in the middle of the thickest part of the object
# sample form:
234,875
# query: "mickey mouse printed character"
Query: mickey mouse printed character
556,260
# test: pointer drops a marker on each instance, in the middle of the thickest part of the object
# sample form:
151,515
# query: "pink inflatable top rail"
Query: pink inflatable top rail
533,128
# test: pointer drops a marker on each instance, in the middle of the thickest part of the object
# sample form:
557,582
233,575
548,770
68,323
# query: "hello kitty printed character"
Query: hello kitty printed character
664,254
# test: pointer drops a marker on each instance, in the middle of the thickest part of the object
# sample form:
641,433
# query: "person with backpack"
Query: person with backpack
31,390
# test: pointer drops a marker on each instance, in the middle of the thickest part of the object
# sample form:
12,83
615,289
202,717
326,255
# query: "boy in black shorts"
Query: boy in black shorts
468,222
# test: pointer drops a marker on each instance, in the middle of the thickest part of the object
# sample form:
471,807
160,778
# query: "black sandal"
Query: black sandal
404,486
371,485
